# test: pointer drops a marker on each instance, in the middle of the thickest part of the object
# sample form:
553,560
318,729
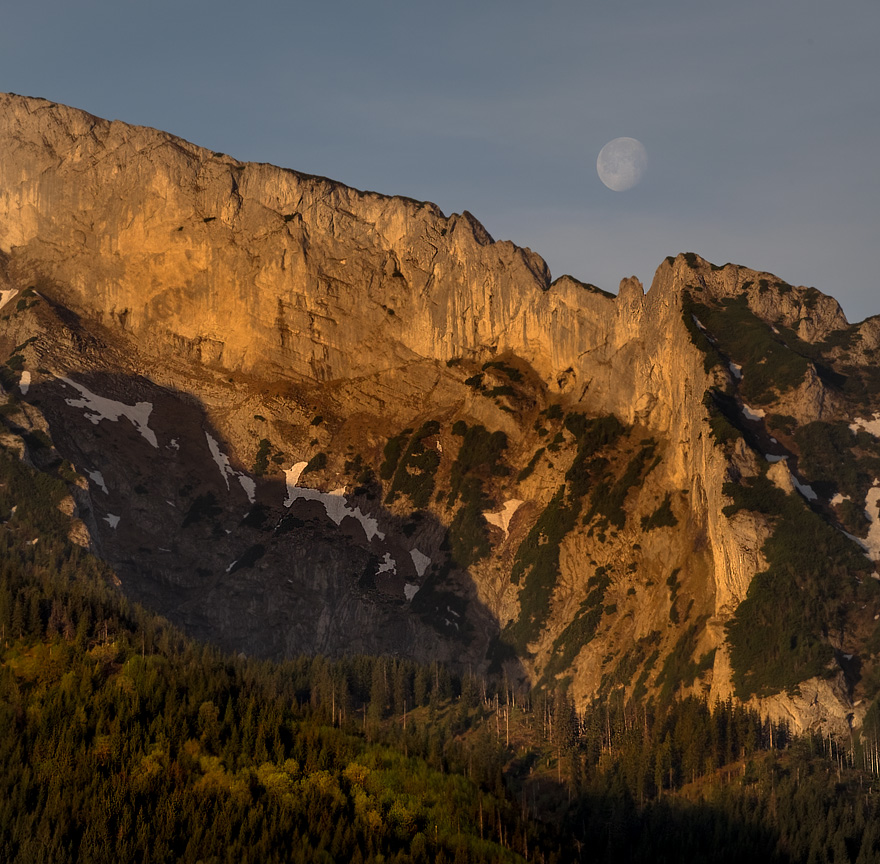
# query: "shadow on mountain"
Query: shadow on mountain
230,558
613,828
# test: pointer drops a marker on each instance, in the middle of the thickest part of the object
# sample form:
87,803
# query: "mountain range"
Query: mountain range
296,417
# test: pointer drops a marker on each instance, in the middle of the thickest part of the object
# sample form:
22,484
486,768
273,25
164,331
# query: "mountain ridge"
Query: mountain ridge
322,320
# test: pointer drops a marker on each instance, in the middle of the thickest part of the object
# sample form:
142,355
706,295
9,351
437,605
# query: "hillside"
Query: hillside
305,418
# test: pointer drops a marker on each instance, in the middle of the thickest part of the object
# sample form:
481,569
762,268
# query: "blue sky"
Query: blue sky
761,119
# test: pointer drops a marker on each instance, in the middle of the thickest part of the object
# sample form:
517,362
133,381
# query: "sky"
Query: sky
761,118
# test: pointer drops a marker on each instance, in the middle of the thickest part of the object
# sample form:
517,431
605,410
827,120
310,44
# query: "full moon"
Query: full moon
622,163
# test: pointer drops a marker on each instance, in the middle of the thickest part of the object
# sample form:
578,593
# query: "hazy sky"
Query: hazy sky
761,118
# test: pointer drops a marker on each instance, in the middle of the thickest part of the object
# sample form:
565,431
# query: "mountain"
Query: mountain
303,418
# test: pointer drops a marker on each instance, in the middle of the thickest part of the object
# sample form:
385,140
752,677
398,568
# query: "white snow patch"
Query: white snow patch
291,476
420,561
388,565
753,413
502,520
227,471
839,499
804,489
772,457
174,445
98,479
112,520
872,426
773,440
6,296
410,590
24,382
222,460
98,408
229,568
698,322
250,487
736,370
334,502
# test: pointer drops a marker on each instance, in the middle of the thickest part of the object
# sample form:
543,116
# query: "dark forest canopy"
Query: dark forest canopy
122,740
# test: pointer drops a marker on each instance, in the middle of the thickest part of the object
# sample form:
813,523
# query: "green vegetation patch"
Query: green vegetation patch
479,457
771,362
679,668
608,498
582,627
836,459
415,472
662,517
536,564
778,636
392,452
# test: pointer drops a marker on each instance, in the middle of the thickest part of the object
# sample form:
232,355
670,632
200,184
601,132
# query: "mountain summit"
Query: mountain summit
297,417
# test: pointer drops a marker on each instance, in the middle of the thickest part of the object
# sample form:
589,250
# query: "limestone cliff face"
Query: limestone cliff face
270,297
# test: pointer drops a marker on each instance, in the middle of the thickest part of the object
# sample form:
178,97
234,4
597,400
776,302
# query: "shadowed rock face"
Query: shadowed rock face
271,306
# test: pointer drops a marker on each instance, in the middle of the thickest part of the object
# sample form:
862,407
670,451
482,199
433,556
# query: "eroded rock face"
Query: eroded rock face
270,298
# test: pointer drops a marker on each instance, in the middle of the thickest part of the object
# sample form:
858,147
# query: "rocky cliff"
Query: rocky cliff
308,418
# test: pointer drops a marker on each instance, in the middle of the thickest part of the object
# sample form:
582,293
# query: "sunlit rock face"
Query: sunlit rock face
254,339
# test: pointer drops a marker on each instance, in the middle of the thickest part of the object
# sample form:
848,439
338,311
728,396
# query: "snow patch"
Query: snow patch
388,565
227,471
773,457
804,489
98,408
753,413
98,479
502,520
6,296
839,499
736,370
420,561
174,445
229,568
335,503
249,485
410,590
24,382
112,520
871,426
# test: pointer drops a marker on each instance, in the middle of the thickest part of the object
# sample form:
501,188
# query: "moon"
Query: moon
622,163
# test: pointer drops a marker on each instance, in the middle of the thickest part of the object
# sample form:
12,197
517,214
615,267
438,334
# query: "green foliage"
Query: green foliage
479,458
581,629
513,374
721,409
608,499
785,423
261,462
777,636
828,459
318,462
392,452
533,463
698,336
537,559
415,472
679,668
662,517
772,364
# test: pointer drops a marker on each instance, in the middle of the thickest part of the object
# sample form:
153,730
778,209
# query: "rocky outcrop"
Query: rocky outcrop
259,292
